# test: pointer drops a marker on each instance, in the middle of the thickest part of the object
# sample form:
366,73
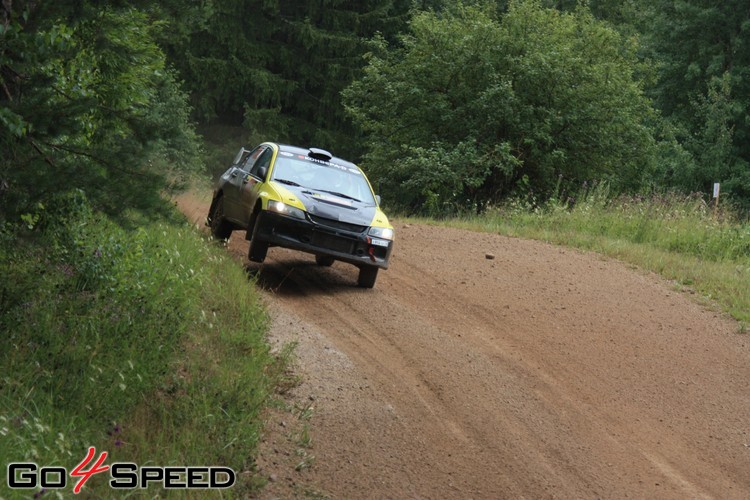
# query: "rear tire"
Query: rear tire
324,260
367,276
258,249
221,229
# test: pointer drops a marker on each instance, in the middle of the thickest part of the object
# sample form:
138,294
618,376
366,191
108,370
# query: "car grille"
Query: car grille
355,228
333,243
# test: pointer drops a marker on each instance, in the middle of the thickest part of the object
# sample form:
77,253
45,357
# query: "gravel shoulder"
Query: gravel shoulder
543,372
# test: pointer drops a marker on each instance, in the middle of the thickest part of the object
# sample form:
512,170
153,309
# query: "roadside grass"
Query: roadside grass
146,343
678,237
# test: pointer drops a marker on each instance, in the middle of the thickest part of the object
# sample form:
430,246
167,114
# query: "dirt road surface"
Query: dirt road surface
542,373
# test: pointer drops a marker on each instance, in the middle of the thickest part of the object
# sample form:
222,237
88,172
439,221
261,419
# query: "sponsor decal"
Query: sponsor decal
333,199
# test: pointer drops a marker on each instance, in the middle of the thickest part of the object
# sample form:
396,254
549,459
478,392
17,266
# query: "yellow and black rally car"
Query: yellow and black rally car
304,199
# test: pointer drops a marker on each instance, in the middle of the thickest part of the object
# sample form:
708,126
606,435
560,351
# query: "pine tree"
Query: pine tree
280,65
87,103
702,49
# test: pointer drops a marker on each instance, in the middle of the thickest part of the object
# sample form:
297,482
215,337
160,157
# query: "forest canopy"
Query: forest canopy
88,103
449,106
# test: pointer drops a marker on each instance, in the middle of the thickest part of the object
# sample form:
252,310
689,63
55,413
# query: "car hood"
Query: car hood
322,204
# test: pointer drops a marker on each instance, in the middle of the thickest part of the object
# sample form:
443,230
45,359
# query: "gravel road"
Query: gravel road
543,372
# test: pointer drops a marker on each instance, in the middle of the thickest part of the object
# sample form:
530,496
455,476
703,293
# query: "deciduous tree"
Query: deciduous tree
470,107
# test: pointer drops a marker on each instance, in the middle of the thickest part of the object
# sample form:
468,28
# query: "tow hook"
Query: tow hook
371,249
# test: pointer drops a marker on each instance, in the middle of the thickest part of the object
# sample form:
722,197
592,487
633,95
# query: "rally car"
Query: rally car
304,199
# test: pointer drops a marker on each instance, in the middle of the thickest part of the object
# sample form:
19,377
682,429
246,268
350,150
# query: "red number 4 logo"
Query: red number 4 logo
86,474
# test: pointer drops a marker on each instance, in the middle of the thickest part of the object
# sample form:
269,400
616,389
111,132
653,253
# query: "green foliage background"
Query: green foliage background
450,106
701,53
470,108
88,103
278,67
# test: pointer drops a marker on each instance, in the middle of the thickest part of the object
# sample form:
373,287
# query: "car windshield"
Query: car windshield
322,176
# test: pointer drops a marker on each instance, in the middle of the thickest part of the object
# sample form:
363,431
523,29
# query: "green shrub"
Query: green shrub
470,108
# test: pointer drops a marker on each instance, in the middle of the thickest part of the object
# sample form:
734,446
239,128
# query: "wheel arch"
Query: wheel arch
216,197
253,218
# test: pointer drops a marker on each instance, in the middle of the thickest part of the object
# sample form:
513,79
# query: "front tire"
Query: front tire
221,229
367,276
258,249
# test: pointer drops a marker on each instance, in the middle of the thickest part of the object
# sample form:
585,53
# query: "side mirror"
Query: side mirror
244,153
377,198
262,171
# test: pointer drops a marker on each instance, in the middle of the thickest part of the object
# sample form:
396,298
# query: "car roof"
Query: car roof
304,151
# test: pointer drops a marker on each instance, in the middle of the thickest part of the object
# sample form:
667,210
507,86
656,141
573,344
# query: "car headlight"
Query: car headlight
284,209
382,232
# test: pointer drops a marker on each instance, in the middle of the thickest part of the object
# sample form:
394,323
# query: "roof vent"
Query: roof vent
319,154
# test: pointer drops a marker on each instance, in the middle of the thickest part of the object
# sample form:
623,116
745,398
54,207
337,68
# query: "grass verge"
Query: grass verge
678,237
146,343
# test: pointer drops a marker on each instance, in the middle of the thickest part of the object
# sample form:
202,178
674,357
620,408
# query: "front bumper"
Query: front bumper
320,239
